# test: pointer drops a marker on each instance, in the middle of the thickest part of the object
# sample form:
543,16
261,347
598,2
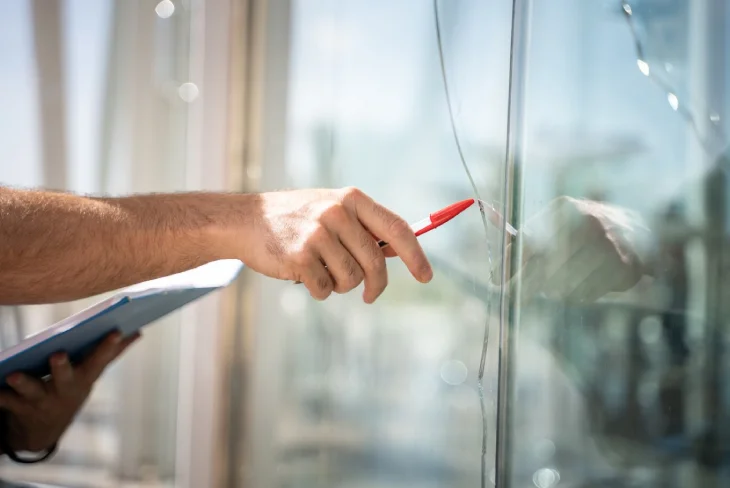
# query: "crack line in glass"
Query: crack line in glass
485,343
683,111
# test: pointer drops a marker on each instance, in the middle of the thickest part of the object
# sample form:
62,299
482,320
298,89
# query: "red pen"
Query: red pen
442,216
438,218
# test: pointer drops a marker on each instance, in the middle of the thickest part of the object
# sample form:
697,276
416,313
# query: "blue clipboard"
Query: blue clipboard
126,311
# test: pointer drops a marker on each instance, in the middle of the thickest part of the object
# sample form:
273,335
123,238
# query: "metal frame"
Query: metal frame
513,191
707,43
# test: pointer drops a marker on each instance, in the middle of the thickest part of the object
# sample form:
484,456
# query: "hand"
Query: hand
41,411
580,250
327,239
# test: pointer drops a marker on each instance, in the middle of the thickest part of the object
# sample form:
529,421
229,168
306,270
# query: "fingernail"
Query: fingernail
369,299
116,338
15,379
427,274
60,359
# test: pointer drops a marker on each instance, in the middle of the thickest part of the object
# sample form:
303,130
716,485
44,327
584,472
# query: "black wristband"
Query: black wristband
9,452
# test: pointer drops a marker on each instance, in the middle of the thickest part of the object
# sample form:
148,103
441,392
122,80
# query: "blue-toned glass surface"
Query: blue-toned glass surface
616,365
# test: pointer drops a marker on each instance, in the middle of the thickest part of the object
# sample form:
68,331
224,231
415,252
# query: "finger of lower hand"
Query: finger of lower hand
28,388
126,344
396,232
342,266
62,373
105,353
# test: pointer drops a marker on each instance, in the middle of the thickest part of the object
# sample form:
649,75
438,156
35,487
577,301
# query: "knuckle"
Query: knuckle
335,213
302,257
367,243
351,268
352,193
380,211
319,235
376,265
399,228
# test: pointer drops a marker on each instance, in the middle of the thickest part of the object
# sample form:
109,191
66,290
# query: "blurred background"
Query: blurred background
260,386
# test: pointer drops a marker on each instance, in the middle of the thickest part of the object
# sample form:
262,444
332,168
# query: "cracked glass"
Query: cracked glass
615,364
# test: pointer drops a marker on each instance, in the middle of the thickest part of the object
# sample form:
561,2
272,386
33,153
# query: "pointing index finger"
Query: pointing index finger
397,233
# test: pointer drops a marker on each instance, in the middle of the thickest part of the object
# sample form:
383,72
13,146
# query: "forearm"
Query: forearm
59,247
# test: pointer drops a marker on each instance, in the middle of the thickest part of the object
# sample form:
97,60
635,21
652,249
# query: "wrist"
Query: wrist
10,448
232,222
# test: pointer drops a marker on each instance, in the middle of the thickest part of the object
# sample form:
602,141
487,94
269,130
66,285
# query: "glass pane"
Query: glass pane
616,363
388,394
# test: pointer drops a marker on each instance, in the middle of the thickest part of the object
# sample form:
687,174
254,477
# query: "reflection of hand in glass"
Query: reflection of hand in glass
580,250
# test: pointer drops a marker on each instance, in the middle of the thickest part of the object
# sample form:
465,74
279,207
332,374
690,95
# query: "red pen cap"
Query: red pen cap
448,213
444,215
